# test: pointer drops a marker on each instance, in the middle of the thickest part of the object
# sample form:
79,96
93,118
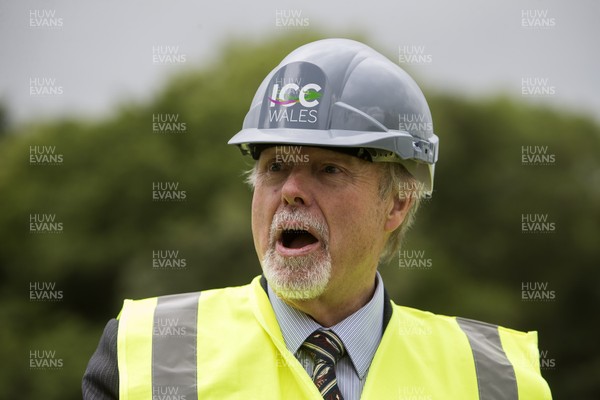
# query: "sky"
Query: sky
86,58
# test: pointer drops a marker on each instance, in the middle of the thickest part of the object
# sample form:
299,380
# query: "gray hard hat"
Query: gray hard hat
340,93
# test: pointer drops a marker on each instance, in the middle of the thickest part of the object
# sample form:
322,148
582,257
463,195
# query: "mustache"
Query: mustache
286,219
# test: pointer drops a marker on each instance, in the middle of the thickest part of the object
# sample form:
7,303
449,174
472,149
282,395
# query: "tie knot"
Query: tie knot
325,346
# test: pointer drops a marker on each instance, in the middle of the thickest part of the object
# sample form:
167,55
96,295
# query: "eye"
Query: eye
331,169
275,167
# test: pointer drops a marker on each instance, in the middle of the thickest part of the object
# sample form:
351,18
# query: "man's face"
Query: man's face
318,221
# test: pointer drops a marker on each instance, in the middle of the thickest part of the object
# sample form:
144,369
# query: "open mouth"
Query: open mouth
297,242
297,238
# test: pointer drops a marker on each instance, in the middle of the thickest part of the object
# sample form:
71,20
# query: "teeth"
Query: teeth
289,232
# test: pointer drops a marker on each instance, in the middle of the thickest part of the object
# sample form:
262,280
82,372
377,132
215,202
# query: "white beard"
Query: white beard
301,277
297,278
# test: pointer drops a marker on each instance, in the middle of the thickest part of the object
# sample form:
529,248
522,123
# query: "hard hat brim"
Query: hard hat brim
406,150
405,145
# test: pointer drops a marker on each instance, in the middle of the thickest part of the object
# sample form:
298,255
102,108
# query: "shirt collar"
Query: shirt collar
360,332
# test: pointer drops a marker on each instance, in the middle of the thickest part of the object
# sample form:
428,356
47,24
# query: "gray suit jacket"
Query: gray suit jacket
101,378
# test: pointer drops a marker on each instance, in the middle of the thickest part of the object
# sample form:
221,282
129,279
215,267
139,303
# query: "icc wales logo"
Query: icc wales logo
283,98
295,98
308,96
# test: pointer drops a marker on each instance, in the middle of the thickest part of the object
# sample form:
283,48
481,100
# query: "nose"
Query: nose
295,190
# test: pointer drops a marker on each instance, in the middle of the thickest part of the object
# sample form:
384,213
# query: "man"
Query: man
345,149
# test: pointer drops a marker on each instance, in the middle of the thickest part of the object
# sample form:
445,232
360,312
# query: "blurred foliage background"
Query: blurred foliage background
471,229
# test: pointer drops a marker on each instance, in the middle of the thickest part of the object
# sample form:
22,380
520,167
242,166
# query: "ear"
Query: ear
397,213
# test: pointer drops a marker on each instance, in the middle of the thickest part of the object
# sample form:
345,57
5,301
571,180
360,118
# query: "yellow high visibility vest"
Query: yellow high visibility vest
226,344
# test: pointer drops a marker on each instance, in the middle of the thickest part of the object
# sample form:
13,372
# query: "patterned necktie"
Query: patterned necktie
326,349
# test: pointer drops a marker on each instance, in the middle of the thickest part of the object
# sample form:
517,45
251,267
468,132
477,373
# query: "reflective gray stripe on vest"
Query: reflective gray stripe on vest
174,347
495,374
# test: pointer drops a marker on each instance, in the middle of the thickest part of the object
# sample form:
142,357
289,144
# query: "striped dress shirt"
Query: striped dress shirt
360,332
